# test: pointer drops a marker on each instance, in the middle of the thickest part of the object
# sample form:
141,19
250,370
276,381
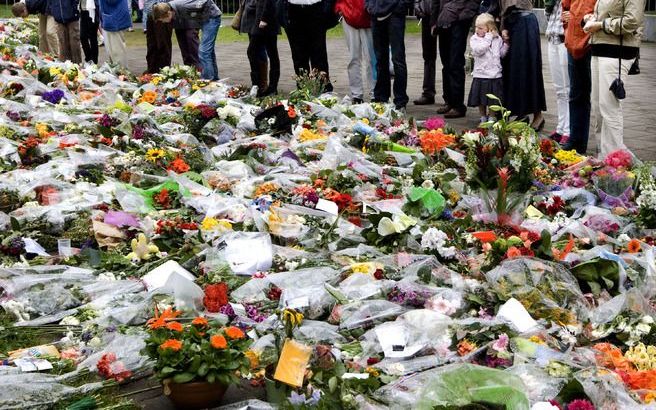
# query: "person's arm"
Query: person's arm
634,15
504,48
480,45
435,12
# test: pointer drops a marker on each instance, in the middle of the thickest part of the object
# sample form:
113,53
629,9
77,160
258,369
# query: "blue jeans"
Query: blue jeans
580,86
390,33
206,52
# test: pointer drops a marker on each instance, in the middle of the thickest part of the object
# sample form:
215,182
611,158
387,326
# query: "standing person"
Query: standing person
186,32
488,48
260,22
203,12
306,25
580,78
67,15
523,85
356,23
48,40
428,52
159,46
451,20
388,30
89,23
558,64
615,46
114,20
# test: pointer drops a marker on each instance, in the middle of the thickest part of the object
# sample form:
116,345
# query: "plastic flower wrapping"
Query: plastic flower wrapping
317,253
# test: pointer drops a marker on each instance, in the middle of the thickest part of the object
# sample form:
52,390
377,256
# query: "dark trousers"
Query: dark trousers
158,45
429,54
261,48
188,41
307,38
389,33
580,87
89,36
452,46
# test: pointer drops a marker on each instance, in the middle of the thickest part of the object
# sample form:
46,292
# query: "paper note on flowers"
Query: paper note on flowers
294,358
515,313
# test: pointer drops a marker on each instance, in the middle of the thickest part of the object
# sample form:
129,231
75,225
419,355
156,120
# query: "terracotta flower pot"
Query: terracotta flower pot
194,395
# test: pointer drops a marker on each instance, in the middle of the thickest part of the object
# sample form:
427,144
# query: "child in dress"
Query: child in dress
488,48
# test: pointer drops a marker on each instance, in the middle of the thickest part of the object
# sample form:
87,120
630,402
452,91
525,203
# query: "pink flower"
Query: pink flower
580,404
501,343
434,123
619,159
440,305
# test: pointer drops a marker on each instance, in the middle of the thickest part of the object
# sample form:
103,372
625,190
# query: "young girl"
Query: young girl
488,48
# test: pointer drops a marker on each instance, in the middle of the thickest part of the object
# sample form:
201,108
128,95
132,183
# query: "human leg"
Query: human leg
354,66
397,42
380,34
206,50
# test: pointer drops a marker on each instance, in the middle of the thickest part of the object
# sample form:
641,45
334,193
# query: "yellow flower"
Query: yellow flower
54,71
568,157
535,339
373,372
365,121
293,317
307,135
156,80
209,224
42,129
153,154
649,397
253,358
361,267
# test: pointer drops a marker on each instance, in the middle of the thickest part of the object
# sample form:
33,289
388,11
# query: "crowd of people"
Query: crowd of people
592,46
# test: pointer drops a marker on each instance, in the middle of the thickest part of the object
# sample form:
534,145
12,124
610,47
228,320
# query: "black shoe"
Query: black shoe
357,101
453,113
424,100
443,108
269,91
328,88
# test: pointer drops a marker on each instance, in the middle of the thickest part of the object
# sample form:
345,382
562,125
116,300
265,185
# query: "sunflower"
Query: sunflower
153,154
171,344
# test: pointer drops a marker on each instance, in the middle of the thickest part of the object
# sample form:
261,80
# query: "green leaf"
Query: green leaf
183,378
211,378
15,225
167,370
195,364
202,370
332,384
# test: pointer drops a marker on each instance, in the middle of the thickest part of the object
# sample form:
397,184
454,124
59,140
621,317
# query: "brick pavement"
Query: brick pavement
640,116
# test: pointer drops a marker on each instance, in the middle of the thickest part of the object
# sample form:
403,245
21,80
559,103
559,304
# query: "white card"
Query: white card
32,246
514,312
239,309
298,303
361,376
327,206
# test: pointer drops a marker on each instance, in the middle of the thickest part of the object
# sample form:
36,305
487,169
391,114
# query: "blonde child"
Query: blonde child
488,48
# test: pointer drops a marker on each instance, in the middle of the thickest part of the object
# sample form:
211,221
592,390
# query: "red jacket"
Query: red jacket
353,12
576,40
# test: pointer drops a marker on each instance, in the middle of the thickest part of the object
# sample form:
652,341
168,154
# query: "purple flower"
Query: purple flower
137,132
106,121
228,311
254,314
501,343
54,96
120,218
13,115
315,398
296,399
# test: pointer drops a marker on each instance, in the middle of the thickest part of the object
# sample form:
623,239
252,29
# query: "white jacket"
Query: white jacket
487,52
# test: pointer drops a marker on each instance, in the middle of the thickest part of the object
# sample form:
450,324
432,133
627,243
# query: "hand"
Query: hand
505,36
592,26
589,17
495,34
565,17
263,24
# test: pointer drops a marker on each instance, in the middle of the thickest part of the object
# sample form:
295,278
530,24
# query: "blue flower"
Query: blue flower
296,399
54,96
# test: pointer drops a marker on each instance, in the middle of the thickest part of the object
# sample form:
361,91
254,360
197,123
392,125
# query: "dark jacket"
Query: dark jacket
64,11
36,6
445,13
382,8
114,15
259,10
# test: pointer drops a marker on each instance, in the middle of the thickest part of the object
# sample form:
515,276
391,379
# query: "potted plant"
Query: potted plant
196,361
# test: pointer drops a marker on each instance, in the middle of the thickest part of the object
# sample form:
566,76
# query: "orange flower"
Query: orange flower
218,342
291,112
485,236
611,357
199,321
234,333
633,246
160,320
172,344
175,326
179,166
149,97
434,141
513,252
465,347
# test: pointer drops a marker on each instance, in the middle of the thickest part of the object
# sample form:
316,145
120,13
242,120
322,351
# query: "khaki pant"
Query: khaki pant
608,119
115,47
69,42
48,38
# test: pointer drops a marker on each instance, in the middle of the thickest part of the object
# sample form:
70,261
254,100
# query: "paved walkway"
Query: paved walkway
639,119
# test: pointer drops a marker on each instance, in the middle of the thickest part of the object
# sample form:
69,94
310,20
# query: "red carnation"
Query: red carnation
216,295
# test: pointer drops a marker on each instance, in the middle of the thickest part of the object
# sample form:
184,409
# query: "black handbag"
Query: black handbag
617,86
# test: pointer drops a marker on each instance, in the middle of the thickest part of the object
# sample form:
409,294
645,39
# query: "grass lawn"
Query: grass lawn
5,11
